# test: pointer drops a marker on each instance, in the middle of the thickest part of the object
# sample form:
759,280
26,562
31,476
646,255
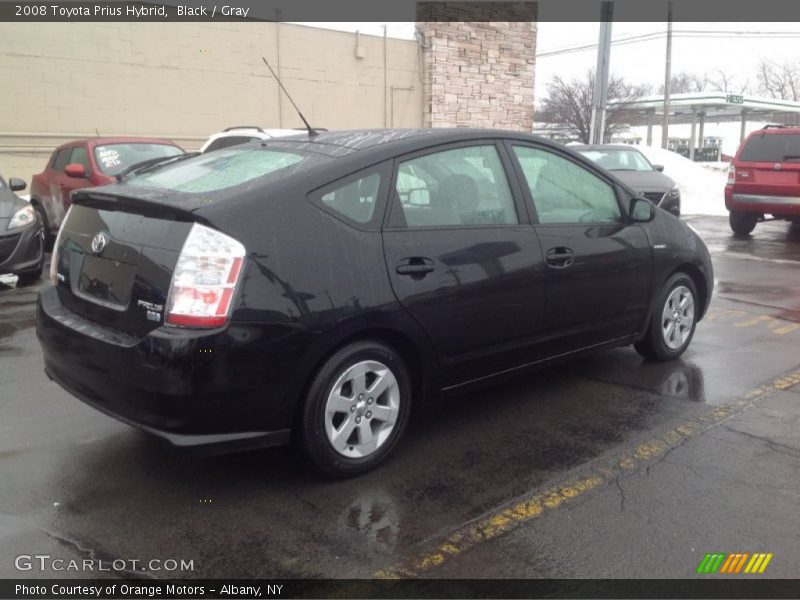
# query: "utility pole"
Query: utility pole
602,72
667,79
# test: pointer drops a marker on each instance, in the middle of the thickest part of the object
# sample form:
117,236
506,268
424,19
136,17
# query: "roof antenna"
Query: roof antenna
311,131
97,132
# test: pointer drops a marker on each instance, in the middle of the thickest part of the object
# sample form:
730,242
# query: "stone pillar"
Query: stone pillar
478,64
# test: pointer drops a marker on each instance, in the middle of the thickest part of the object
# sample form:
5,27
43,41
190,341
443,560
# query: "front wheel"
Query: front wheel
742,223
356,410
48,235
673,322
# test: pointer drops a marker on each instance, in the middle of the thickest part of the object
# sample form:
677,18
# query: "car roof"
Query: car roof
103,141
604,147
773,129
385,143
257,131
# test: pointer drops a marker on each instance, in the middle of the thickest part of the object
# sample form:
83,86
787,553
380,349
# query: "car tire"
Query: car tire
48,235
341,432
742,223
672,324
30,277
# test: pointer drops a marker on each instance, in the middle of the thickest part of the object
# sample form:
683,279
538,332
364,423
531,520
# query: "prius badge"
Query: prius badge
99,242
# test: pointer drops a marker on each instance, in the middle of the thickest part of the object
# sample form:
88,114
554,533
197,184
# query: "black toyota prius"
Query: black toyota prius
315,288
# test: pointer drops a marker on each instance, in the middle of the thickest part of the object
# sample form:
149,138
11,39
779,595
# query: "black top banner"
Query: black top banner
398,10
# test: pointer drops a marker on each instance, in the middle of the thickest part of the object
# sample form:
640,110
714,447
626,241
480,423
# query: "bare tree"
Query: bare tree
779,80
724,82
692,83
569,103
687,83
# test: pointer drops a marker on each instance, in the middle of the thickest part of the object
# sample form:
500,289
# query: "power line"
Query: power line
686,33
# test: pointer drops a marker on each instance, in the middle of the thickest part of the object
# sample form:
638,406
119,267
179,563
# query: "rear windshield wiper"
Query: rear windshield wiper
152,163
791,156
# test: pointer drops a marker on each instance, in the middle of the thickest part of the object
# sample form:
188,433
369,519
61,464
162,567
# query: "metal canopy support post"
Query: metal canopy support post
600,93
667,79
693,134
702,127
651,116
744,126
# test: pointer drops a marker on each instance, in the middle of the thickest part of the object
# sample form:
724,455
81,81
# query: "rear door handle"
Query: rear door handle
560,257
416,266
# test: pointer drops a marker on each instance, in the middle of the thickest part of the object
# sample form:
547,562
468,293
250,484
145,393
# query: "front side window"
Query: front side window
565,192
355,200
113,159
80,156
62,159
462,186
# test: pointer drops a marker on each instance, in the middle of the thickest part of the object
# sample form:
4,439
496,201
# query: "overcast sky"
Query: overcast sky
737,54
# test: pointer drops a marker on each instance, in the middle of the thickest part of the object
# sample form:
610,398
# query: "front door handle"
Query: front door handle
560,257
416,266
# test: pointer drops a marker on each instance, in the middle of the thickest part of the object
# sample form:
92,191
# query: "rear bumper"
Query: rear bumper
177,384
22,251
762,204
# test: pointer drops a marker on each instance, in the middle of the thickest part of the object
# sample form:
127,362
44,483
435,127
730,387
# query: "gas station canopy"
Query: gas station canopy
712,105
697,107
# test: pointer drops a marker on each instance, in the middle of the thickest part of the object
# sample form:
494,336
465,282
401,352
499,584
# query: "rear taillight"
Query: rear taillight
731,175
205,279
56,245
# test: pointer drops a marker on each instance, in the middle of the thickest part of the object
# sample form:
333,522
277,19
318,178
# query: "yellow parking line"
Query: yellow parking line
754,321
527,508
787,329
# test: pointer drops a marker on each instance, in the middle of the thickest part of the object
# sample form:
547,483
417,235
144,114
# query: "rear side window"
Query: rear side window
564,192
219,170
462,186
228,141
774,147
355,200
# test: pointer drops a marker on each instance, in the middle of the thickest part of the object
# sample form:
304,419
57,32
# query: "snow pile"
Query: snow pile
702,190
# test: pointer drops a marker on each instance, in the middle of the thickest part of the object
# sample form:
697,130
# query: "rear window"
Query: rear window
113,159
219,170
775,147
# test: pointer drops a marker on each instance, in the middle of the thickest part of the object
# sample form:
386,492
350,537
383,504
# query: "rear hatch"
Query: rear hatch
769,165
116,257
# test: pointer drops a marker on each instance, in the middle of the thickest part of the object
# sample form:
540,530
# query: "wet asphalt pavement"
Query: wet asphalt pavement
607,466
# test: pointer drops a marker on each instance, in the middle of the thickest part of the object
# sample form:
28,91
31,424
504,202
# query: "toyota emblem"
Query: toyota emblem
99,242
777,166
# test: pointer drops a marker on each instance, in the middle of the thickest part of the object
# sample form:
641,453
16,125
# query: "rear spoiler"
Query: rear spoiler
147,204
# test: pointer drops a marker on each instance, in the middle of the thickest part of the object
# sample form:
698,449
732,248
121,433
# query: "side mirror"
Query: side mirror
642,210
75,170
659,168
419,197
16,184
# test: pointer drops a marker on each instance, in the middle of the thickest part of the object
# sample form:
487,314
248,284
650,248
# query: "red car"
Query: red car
764,179
88,163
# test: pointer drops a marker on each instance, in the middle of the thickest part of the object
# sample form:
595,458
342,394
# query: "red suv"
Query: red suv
87,163
764,178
